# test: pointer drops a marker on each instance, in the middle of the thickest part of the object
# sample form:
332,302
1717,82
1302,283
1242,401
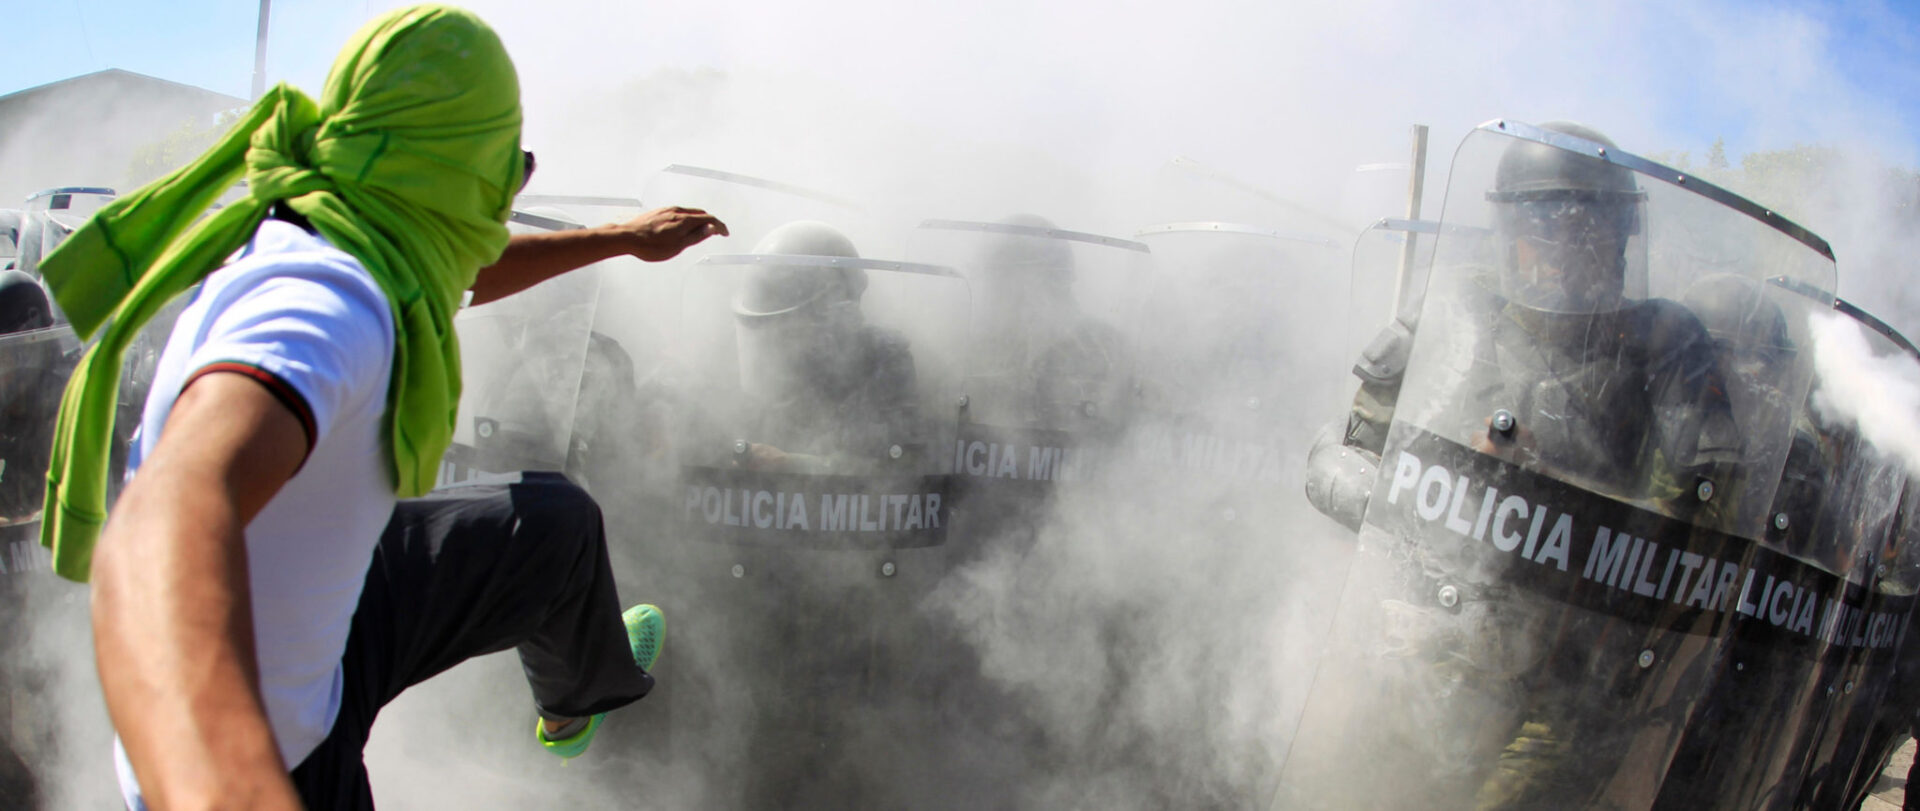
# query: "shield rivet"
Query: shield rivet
740,446
1503,421
1849,688
1449,596
1880,570
1779,520
1739,665
1705,490
894,452
484,429
1089,409
963,401
887,569
739,570
1646,659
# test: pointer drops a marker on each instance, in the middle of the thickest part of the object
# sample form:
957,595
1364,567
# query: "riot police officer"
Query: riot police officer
1546,314
1037,349
838,392
1636,407
1563,322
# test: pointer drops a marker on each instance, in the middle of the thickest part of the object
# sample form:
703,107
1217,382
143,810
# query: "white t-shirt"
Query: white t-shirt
310,323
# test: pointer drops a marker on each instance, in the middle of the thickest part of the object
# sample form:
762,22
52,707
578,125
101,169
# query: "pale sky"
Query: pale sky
1761,74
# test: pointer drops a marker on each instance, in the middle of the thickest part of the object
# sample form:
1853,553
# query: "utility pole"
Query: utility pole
260,52
1416,189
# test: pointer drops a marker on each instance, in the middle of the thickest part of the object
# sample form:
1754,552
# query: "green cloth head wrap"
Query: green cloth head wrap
409,162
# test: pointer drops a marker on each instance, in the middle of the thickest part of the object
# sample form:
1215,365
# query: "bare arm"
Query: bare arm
655,236
172,615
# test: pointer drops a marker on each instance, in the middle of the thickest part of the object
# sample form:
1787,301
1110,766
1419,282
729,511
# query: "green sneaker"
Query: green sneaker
646,633
572,746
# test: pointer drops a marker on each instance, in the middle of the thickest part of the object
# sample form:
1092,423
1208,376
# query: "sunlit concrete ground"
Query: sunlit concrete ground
1892,788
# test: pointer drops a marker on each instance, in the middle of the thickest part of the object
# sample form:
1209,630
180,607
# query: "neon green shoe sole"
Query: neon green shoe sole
572,746
646,634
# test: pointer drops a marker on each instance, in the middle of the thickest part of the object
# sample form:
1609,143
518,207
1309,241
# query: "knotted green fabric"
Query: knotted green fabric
409,162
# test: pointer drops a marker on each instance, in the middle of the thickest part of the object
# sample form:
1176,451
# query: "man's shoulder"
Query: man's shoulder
281,248
287,269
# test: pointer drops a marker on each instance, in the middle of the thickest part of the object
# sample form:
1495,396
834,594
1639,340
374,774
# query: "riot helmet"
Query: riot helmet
23,304
781,289
794,318
1566,224
1024,265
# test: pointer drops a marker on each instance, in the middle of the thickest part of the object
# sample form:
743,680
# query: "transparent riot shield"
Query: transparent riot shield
1240,366
50,216
1859,530
1050,369
1237,363
33,373
1562,528
33,370
810,412
1184,189
1892,719
1389,264
621,448
813,379
614,449
753,206
521,364
1384,288
563,212
1779,694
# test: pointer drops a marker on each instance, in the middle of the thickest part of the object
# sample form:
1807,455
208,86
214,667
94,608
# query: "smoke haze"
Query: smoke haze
1148,638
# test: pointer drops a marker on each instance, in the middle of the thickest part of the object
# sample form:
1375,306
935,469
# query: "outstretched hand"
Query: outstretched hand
662,233
530,259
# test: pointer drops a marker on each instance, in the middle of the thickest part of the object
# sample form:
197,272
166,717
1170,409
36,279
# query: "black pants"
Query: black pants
519,562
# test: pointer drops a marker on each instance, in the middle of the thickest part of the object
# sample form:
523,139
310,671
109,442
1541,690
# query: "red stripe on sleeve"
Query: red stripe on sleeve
281,390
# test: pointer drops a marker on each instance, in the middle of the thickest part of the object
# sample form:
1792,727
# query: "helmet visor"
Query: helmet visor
779,354
1571,251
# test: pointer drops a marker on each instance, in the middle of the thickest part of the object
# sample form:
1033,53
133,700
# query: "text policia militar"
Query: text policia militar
833,512
734,505
1030,454
1614,557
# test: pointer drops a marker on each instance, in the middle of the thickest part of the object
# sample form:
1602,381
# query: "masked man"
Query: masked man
271,575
